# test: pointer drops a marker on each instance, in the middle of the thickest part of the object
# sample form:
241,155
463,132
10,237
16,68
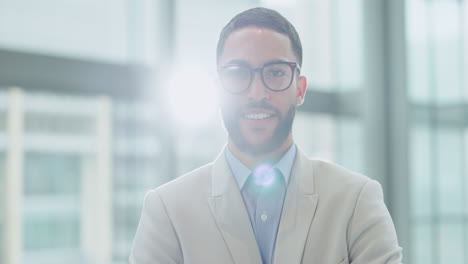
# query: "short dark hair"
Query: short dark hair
265,18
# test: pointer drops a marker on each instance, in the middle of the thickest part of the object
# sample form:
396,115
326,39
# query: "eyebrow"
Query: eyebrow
236,62
243,62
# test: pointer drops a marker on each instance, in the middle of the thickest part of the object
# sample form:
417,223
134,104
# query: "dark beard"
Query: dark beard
232,119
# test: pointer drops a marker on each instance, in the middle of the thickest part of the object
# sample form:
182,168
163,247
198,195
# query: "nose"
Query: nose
257,90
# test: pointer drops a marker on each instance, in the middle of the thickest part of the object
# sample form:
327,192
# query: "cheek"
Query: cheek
224,99
230,100
229,104
286,100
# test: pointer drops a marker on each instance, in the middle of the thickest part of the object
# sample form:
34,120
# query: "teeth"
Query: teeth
257,116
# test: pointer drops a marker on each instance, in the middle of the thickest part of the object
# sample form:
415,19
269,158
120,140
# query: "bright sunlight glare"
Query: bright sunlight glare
191,97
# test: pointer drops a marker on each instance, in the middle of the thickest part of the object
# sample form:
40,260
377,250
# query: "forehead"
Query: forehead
256,46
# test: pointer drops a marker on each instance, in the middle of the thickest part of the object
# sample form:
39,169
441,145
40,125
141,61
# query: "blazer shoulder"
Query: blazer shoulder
329,176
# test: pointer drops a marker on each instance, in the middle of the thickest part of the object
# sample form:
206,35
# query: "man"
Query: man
262,200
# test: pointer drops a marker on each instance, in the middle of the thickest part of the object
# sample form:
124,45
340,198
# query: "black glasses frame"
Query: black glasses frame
293,66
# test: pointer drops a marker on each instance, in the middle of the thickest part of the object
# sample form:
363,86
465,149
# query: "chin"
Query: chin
258,149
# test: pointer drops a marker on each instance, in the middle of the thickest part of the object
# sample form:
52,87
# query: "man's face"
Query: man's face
259,120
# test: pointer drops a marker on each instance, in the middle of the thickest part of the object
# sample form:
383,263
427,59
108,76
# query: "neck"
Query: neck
251,161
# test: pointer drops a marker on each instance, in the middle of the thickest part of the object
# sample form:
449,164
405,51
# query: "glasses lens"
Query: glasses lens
278,76
235,78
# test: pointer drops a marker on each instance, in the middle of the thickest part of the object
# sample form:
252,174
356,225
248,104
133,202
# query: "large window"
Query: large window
118,31
2,203
437,94
87,162
138,157
330,138
52,186
59,135
3,121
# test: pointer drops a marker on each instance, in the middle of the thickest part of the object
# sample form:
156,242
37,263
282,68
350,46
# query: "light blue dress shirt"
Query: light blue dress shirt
264,207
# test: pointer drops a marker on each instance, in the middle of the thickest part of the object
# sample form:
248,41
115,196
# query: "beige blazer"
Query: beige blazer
330,216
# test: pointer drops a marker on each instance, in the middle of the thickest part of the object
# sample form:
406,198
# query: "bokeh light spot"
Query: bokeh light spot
264,175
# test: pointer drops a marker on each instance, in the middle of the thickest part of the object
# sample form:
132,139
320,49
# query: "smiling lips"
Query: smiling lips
257,116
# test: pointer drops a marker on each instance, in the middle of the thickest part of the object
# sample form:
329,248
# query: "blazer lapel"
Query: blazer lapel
298,211
228,209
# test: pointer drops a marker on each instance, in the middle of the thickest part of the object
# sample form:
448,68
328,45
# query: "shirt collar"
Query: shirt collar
241,172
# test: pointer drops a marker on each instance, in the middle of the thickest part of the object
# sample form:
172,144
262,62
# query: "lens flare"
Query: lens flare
191,96
264,175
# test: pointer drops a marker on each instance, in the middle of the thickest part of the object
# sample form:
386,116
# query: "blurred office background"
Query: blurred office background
102,100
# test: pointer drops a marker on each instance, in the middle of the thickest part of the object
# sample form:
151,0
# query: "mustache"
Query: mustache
256,105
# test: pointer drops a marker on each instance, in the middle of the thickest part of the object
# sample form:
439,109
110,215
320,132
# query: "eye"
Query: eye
277,73
236,73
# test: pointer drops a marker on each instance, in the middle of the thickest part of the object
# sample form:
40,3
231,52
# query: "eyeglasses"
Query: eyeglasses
276,76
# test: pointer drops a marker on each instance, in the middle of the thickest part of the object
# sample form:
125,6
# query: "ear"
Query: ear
301,90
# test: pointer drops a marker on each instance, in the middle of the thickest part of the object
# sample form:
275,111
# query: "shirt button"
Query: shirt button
264,217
